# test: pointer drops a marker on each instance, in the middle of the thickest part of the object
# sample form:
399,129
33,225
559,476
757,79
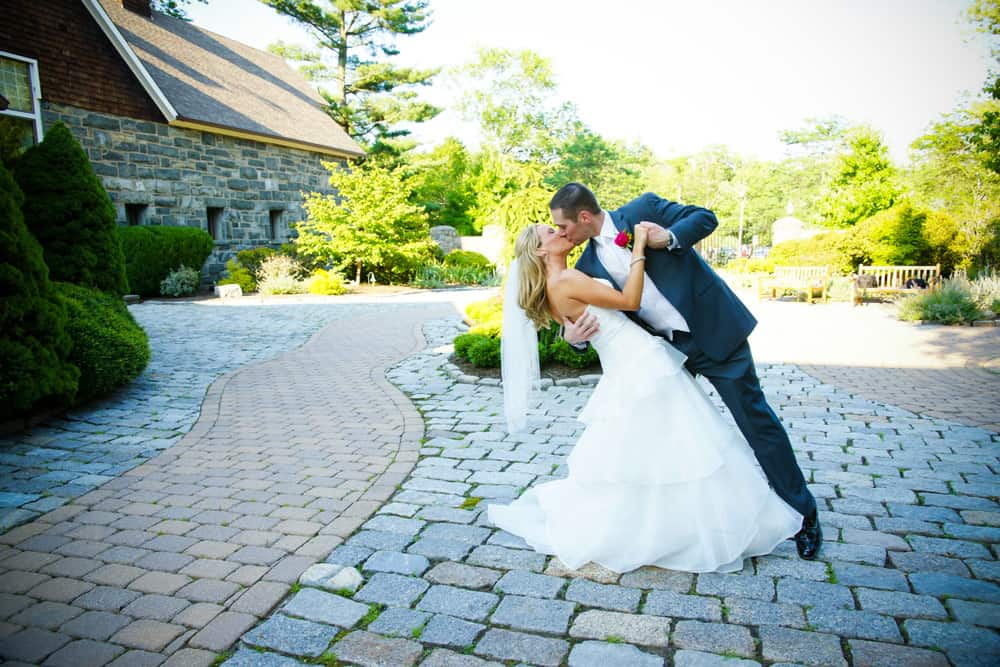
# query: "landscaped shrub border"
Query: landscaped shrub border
152,252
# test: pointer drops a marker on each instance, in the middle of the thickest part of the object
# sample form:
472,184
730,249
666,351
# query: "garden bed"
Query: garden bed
554,371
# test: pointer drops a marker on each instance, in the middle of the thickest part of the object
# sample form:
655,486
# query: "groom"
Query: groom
686,302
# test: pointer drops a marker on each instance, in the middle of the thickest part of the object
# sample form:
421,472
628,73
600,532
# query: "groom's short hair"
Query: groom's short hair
573,198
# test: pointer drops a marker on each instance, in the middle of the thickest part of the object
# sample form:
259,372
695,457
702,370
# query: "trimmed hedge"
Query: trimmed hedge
467,258
70,213
902,235
34,346
109,348
151,253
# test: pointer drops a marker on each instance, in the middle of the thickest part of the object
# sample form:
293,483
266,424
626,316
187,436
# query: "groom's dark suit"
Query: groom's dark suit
720,324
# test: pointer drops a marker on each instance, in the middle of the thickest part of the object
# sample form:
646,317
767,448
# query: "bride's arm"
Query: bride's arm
585,289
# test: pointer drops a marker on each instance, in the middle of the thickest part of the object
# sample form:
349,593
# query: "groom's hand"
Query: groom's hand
658,237
579,332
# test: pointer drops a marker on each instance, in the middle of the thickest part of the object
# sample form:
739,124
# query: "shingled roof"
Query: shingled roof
210,81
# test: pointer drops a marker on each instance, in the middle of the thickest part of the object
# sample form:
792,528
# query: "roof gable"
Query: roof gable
209,80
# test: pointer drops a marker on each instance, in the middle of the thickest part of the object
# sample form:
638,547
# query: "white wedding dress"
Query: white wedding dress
658,477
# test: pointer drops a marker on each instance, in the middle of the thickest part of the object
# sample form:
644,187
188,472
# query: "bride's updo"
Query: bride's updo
531,271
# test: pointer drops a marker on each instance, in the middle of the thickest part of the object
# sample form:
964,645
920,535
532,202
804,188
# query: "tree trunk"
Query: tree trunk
357,274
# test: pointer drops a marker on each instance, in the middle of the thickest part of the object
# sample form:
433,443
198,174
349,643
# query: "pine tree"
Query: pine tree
70,213
368,96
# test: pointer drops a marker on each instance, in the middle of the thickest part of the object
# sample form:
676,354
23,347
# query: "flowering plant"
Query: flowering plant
624,240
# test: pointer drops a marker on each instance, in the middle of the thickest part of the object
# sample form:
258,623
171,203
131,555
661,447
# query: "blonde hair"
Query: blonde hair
531,271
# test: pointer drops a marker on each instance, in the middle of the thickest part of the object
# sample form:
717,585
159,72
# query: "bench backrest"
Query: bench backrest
802,273
896,276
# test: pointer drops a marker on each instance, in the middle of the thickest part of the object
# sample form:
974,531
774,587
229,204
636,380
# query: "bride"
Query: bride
658,477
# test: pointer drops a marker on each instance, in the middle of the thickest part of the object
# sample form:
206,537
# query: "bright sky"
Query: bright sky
678,75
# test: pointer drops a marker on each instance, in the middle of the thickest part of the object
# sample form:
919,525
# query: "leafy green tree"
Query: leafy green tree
863,183
34,345
442,185
511,95
70,213
370,225
367,95
614,172
949,175
985,16
174,8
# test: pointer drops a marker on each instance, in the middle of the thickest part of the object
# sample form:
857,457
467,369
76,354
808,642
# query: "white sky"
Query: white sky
678,75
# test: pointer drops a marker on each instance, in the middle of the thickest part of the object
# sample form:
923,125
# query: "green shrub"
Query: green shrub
489,309
947,244
564,353
326,282
894,236
984,291
71,215
431,276
750,265
820,250
463,342
485,352
467,258
34,346
180,282
152,252
278,274
950,304
109,348
238,275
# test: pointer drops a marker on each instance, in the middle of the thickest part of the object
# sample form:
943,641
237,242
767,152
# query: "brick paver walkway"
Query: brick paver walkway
179,556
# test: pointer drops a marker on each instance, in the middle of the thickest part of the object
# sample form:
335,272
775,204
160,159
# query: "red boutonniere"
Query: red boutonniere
624,240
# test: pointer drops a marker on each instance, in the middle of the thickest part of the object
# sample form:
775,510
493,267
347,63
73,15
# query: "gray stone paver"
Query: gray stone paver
912,498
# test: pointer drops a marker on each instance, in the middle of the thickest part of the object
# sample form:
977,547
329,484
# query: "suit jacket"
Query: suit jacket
718,320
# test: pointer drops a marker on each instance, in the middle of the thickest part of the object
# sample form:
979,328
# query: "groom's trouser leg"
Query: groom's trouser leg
736,381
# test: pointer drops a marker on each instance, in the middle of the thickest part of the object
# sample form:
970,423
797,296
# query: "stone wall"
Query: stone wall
165,175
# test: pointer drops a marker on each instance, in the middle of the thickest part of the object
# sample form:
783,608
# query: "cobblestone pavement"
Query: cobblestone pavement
908,573
173,559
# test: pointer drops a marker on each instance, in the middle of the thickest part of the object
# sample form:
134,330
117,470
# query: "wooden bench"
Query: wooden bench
808,279
891,280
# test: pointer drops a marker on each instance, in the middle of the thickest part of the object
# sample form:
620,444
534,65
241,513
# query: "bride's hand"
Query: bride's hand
641,237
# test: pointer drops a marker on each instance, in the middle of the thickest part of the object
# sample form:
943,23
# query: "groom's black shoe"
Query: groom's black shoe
809,539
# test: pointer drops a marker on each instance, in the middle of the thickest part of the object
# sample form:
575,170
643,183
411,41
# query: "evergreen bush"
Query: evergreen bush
467,258
109,347
34,345
152,252
71,215
239,275
484,352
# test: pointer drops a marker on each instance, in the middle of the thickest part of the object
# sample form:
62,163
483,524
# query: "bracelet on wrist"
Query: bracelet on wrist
641,258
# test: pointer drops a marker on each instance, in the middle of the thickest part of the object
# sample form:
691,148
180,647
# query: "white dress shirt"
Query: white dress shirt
654,309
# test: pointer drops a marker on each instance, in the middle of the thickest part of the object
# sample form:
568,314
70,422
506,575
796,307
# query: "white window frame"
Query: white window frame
36,95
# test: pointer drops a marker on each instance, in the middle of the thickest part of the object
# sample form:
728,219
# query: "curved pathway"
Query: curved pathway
180,555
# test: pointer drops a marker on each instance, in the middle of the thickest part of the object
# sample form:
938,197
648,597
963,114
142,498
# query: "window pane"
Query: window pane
15,84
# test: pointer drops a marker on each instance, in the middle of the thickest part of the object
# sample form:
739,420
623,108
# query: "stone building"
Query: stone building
183,126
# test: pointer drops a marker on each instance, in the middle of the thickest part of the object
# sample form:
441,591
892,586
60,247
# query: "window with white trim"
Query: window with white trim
21,121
